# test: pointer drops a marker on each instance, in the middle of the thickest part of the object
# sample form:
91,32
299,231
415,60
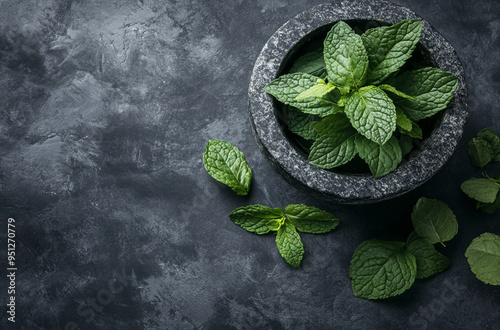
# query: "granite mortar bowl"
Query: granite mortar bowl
441,133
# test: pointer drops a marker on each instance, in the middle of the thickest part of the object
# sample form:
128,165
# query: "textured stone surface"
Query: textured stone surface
106,107
340,187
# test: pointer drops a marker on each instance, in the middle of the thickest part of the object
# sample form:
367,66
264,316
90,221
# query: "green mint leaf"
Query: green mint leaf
489,207
434,221
483,255
312,63
381,159
289,244
415,132
345,57
257,218
406,144
480,152
286,88
493,140
309,219
318,90
301,123
432,87
393,90
402,121
381,269
227,164
372,113
389,47
429,261
333,148
337,122
480,189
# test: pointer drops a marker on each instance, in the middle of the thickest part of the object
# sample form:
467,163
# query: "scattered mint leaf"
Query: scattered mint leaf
287,87
257,218
480,152
227,164
489,207
301,123
429,261
483,255
493,140
381,159
434,221
309,219
345,57
333,148
482,190
372,113
381,269
319,90
289,244
389,47
432,87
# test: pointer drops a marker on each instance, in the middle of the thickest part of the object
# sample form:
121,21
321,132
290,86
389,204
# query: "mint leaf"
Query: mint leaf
318,90
333,148
312,63
301,123
345,57
393,90
287,87
372,113
227,164
406,144
434,221
257,218
429,261
381,269
480,152
289,244
335,122
402,121
309,219
483,255
415,132
493,140
432,87
389,47
381,159
482,190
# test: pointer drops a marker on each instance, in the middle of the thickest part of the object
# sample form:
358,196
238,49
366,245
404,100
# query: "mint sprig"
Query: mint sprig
363,82
382,269
262,220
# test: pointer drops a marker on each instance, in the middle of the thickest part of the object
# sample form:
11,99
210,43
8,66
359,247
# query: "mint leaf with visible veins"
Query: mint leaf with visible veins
257,218
483,255
301,123
381,269
227,164
333,148
372,113
432,87
389,47
429,261
287,87
482,190
345,57
310,219
434,221
381,159
289,244
318,90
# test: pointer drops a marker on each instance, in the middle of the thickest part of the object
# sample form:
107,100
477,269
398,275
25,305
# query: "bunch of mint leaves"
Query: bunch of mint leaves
483,254
228,165
382,269
354,98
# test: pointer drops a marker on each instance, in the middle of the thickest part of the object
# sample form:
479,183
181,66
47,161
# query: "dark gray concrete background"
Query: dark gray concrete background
105,109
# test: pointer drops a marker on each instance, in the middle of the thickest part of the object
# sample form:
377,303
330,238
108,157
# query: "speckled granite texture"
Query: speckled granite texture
345,188
106,107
